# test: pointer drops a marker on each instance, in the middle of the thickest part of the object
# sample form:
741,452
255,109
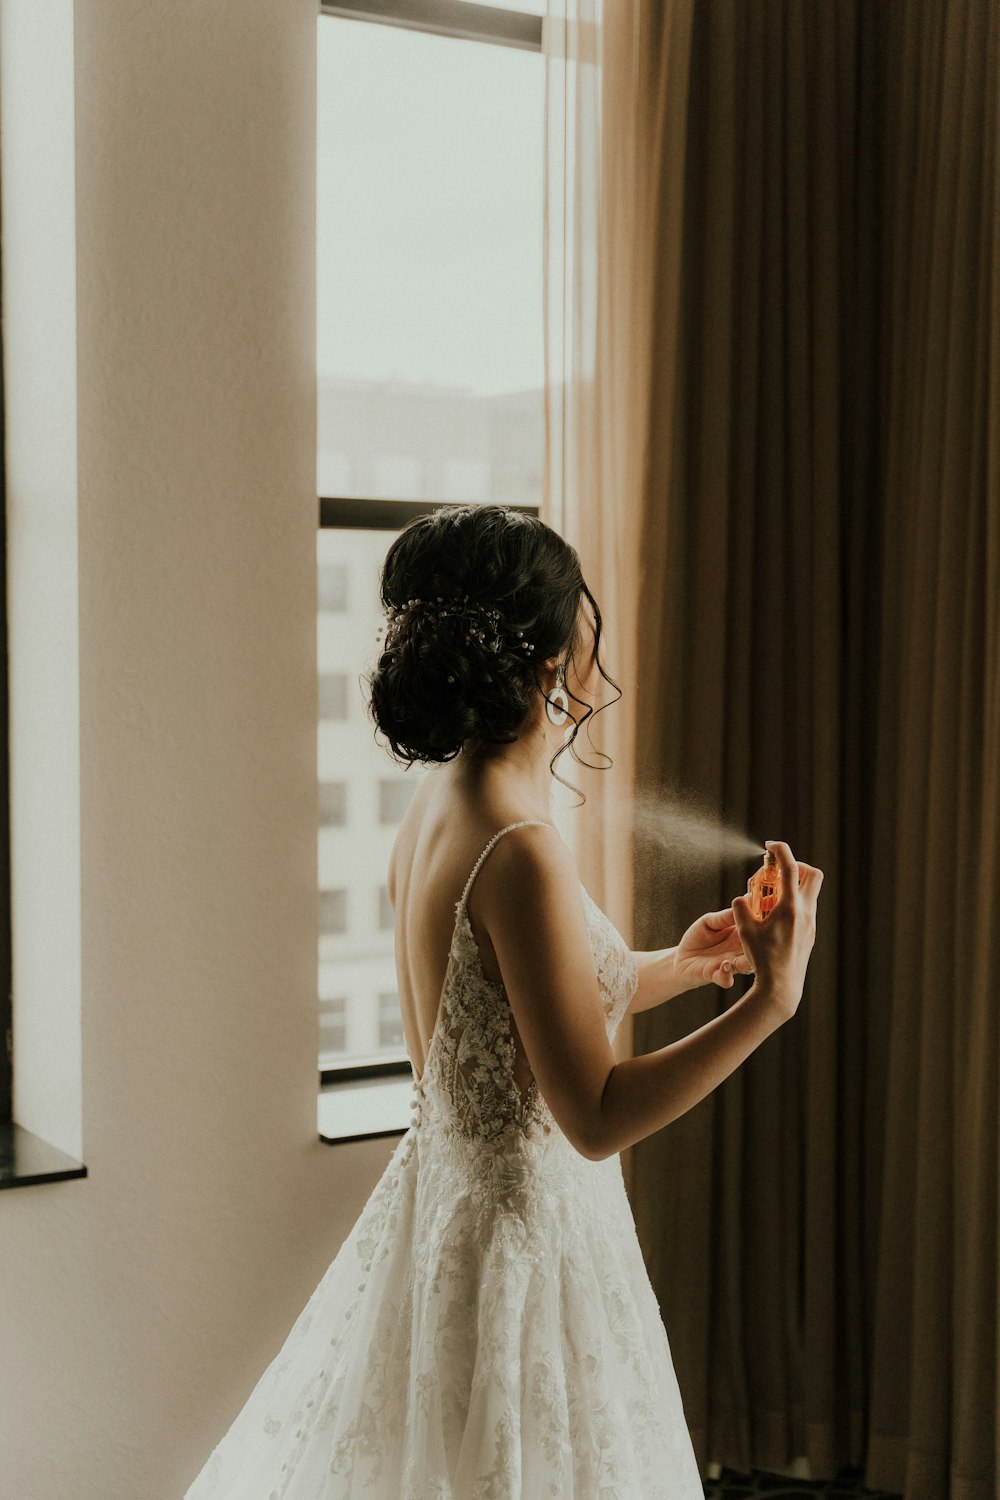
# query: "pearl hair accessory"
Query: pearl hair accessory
461,607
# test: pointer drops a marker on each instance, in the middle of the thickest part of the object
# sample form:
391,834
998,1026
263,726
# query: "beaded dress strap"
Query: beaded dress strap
524,823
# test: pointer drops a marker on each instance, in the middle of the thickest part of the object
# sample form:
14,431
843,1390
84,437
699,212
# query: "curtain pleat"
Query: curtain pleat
933,1410
773,364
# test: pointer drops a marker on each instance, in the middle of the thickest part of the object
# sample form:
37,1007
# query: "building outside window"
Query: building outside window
333,804
333,911
333,1028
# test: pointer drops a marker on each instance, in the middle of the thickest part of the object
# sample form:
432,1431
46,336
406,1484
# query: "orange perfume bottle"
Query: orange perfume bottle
763,886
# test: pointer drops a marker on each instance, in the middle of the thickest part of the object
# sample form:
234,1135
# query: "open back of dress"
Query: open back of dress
487,1331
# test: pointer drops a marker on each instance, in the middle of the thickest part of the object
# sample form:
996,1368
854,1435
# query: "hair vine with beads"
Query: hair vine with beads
441,608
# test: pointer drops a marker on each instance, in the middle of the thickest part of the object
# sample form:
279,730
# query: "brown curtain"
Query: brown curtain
782,473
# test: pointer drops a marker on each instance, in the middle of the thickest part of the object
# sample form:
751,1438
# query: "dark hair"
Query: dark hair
432,692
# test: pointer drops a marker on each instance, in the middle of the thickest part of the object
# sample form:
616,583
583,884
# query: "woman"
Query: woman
488,1330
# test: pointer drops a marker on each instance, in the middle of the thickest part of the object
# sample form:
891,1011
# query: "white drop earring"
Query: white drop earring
557,712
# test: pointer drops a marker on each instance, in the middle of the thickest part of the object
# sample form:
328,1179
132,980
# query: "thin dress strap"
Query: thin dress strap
524,823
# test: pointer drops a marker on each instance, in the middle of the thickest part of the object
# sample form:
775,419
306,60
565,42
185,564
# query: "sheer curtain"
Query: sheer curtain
603,312
773,365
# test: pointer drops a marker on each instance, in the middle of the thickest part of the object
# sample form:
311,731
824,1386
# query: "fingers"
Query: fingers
742,915
788,867
725,976
808,878
746,923
788,863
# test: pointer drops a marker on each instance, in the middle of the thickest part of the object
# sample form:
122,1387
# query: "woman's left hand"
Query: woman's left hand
711,952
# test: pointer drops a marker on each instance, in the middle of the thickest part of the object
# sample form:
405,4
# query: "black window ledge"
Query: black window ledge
26,1159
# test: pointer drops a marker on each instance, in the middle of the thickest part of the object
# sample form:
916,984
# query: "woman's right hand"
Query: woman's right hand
779,947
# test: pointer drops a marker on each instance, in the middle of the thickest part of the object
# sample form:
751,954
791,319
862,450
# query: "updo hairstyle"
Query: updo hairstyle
433,692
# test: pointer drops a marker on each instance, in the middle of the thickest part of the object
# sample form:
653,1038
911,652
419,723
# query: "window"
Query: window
39,676
430,388
429,258
397,474
393,799
6,955
464,476
390,1024
333,584
334,472
333,804
333,1027
333,695
333,911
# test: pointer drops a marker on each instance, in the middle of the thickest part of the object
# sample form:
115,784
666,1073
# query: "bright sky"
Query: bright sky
429,204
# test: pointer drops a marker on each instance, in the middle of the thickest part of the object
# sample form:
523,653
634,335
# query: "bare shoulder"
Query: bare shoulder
532,908
529,863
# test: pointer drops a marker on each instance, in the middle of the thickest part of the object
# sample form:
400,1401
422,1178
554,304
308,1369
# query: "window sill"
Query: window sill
364,1109
26,1159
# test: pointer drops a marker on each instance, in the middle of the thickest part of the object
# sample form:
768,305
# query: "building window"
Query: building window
393,799
333,1027
333,695
333,804
390,1021
333,911
386,916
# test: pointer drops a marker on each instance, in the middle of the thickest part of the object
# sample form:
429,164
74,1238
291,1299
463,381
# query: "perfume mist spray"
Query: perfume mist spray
763,886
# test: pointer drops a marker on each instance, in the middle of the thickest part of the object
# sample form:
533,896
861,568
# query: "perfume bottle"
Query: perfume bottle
763,886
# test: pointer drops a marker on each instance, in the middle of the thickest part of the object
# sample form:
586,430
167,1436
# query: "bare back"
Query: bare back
443,833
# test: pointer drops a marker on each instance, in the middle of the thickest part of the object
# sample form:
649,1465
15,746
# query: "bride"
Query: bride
488,1331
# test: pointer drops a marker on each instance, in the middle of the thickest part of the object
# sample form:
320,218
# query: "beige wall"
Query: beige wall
139,1305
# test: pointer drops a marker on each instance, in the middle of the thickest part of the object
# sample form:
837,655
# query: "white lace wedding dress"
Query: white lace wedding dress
487,1331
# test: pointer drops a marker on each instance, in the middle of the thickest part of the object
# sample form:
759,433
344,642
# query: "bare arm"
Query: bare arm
658,979
529,900
642,1094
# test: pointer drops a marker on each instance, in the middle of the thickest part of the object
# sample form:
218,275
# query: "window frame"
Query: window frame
460,18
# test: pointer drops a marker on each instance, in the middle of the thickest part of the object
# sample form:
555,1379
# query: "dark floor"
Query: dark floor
764,1486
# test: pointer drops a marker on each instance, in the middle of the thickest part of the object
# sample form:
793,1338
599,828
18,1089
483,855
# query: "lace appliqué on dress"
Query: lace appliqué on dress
469,1069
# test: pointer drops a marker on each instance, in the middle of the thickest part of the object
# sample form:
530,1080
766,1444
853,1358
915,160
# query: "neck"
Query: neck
520,769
